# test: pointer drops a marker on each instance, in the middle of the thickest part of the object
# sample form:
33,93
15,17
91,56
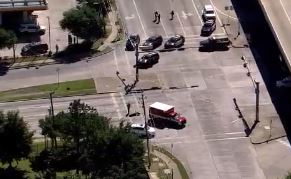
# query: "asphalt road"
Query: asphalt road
279,18
213,143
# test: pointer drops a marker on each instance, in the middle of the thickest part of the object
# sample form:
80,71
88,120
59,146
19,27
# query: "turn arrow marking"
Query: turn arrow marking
185,15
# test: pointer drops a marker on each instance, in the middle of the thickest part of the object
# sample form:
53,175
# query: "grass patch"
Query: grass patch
180,166
24,59
68,88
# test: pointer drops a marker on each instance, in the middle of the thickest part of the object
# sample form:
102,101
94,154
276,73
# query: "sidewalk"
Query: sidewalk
105,48
171,169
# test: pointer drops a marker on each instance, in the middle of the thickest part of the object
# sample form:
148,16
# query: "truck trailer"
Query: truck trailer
166,112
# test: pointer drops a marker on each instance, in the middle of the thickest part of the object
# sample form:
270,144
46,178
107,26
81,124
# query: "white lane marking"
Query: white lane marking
185,15
168,143
169,138
230,138
127,62
218,10
285,12
217,16
171,3
199,16
115,59
142,26
286,143
227,133
115,104
164,28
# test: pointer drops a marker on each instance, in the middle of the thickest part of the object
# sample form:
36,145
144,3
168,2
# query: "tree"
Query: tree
101,6
15,138
84,22
93,146
7,38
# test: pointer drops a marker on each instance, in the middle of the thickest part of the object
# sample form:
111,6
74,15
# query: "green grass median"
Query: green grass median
68,88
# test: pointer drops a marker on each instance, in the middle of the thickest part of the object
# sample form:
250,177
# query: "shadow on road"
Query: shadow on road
267,56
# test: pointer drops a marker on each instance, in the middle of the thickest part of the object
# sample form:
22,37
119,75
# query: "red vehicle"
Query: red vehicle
163,111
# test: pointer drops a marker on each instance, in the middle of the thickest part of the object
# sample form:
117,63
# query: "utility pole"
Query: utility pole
257,88
49,28
146,127
136,61
52,106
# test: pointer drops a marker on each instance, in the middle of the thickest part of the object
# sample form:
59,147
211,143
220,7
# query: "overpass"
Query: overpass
278,15
20,9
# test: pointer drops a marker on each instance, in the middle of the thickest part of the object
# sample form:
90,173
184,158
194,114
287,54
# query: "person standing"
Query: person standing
172,15
156,16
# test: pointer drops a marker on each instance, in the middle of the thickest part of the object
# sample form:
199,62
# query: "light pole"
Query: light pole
146,128
58,71
256,85
49,28
136,43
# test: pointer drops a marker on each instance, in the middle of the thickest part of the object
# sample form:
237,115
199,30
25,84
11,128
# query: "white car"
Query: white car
285,83
208,13
31,28
139,129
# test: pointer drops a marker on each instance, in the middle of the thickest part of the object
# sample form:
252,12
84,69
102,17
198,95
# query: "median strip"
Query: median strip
68,88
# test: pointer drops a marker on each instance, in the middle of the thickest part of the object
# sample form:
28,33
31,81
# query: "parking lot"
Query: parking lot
53,15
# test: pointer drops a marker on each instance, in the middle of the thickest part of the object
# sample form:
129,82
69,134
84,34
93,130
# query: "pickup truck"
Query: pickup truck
214,43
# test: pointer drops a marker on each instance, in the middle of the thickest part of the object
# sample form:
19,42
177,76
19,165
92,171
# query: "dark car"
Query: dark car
132,39
175,42
148,60
152,42
34,49
215,43
208,27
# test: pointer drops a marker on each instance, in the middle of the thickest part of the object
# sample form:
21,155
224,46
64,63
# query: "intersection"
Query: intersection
200,85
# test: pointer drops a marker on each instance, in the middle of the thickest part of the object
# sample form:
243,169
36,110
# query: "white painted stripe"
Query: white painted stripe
231,138
115,59
115,104
286,143
127,62
166,34
181,24
199,16
142,26
217,16
227,133
226,14
285,12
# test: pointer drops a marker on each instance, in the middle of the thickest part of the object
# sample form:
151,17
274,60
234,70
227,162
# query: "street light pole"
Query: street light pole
257,101
58,70
136,61
146,127
49,27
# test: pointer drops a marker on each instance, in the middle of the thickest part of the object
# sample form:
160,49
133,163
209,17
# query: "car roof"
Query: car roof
208,7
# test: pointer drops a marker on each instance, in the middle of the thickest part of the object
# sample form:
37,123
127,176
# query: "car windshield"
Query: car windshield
208,24
210,12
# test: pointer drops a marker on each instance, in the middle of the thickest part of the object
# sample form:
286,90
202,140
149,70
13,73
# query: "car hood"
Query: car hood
206,28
